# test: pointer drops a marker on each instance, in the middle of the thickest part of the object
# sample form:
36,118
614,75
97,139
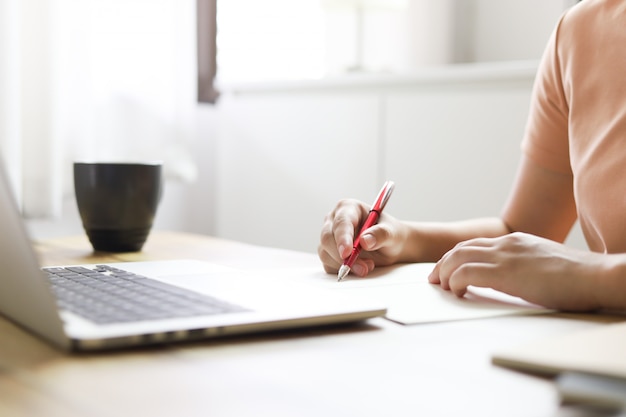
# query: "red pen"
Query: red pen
372,218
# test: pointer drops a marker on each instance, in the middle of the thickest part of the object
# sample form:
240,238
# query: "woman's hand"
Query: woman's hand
382,244
536,269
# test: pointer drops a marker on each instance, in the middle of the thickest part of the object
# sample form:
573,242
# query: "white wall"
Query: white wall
501,30
451,143
449,138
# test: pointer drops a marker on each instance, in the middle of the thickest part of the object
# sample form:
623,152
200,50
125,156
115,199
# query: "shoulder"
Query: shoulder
589,35
590,17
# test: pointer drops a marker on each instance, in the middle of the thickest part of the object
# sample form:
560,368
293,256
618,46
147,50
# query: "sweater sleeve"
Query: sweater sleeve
546,136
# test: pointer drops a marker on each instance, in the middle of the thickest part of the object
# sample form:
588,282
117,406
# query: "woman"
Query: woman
573,167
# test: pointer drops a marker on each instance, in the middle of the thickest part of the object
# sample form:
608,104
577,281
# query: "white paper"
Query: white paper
411,299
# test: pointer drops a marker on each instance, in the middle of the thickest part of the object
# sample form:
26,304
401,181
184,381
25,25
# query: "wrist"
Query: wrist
429,241
609,282
423,242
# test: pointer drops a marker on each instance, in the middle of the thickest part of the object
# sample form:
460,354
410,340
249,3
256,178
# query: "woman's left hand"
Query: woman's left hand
538,270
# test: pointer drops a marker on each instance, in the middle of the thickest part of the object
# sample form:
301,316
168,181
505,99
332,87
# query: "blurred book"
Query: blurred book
590,364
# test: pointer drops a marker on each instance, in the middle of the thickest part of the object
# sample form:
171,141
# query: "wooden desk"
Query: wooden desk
375,369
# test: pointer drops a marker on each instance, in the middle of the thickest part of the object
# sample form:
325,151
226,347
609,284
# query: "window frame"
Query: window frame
206,20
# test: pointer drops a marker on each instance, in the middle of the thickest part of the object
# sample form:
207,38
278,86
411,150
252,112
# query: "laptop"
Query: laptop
144,303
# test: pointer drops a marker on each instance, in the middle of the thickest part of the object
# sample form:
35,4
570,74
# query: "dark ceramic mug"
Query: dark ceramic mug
117,202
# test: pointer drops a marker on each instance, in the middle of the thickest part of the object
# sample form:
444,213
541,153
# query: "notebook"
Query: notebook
598,351
142,303
589,364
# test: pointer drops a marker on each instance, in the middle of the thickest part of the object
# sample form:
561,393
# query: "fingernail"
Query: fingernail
359,269
431,276
369,240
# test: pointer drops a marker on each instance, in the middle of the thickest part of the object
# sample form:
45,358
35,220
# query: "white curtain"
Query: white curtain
10,103
104,80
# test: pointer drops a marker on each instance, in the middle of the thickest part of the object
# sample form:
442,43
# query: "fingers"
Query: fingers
338,232
475,274
469,263
379,242
361,267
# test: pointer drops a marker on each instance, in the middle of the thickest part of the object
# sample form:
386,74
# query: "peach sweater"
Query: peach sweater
577,120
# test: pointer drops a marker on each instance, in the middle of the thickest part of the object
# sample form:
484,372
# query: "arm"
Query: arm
537,205
392,240
538,270
541,202
535,265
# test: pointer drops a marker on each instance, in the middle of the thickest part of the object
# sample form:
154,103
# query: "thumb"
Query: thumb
376,237
368,241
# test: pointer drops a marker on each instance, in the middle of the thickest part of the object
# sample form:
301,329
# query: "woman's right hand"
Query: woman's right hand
381,244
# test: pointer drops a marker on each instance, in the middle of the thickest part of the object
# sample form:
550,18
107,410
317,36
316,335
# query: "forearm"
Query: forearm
427,242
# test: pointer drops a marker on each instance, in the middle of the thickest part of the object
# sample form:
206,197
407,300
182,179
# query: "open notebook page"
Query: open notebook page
411,299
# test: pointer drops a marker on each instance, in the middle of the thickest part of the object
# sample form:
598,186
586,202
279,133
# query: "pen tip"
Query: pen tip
343,272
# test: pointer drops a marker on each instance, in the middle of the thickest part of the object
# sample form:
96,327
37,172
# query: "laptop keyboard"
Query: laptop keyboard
107,295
